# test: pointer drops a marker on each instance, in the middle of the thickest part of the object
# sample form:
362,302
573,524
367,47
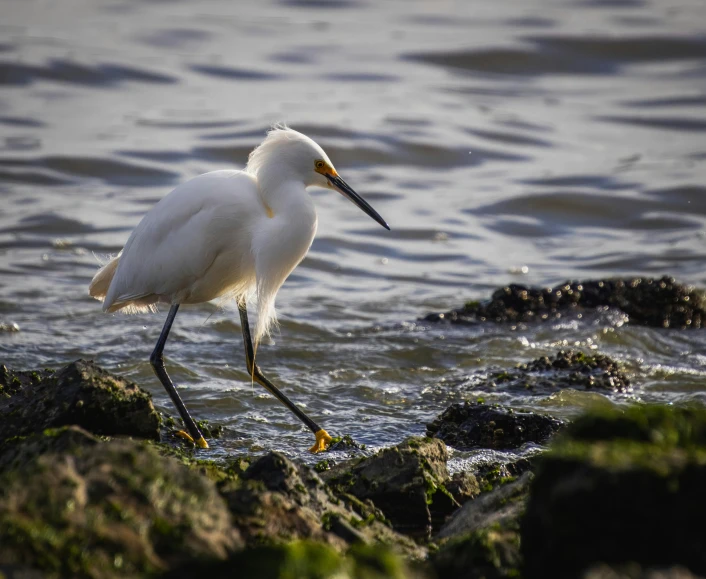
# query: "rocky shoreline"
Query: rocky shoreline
93,482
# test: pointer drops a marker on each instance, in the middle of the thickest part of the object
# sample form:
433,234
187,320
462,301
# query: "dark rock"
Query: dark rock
73,506
80,393
566,369
661,303
574,369
634,571
276,500
345,443
482,539
473,425
620,487
16,572
406,482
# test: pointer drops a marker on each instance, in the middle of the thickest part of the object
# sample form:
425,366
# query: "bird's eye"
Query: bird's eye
319,164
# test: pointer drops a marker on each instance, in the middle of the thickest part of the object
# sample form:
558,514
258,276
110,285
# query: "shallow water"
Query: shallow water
525,142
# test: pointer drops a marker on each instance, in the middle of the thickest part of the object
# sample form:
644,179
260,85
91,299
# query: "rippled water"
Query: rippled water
524,141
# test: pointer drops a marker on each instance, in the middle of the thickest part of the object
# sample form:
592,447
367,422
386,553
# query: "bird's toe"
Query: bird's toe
323,439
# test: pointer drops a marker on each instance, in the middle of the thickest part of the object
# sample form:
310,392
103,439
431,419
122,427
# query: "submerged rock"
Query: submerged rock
73,506
661,303
80,393
482,539
406,482
475,425
618,488
566,369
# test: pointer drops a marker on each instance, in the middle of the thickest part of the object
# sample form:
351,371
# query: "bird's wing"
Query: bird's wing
181,236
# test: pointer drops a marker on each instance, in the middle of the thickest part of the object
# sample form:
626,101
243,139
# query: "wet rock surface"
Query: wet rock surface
661,303
80,393
620,487
565,369
476,425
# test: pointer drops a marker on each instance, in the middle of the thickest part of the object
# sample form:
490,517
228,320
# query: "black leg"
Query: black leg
322,437
157,361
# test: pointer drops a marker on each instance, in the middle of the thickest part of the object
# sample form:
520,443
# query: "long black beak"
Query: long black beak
346,190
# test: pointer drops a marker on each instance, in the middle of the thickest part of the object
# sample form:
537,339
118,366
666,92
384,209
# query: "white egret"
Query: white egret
232,234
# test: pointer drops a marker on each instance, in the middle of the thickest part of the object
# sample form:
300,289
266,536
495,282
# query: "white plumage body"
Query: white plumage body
221,234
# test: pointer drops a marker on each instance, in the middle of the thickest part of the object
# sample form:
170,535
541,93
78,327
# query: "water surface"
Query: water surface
524,141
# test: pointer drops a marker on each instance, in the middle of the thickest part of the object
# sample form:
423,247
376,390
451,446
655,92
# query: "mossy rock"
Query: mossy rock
472,425
276,500
406,482
488,553
80,393
482,539
661,303
306,559
73,506
620,487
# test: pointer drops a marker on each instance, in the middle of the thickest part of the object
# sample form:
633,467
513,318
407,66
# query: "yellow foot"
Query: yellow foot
201,442
322,441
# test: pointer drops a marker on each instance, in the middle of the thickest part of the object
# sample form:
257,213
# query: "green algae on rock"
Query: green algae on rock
482,539
475,425
660,303
80,393
276,500
305,559
74,506
620,487
406,482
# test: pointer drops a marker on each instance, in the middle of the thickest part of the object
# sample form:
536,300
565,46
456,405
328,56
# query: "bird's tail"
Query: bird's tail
100,283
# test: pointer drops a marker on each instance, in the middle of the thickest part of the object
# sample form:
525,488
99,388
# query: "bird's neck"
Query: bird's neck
282,191
288,196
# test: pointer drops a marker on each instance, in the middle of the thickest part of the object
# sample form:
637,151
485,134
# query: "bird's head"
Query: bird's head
307,161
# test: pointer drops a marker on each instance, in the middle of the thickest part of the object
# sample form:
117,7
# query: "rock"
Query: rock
566,369
574,369
475,425
406,482
276,500
305,559
463,486
620,487
345,443
661,303
80,393
506,502
633,571
74,506
482,539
